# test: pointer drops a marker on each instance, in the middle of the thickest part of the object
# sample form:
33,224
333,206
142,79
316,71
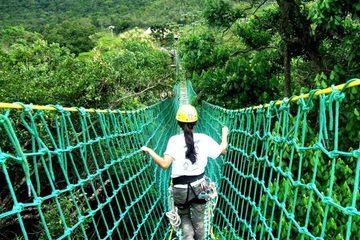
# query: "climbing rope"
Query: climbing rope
173,215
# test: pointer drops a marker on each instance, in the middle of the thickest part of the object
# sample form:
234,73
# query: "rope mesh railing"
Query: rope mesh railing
80,174
190,91
291,172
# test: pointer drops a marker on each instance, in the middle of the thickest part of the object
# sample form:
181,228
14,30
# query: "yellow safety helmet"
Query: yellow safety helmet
187,114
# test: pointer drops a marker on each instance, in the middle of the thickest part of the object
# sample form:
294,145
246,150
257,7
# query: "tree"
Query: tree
224,73
306,30
11,35
73,34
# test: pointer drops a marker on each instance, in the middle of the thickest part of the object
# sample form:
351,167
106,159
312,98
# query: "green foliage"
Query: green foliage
26,66
315,49
321,39
197,50
307,201
220,13
71,214
238,63
260,31
332,13
251,38
314,166
75,34
40,15
224,234
114,74
314,46
11,35
222,75
163,35
134,55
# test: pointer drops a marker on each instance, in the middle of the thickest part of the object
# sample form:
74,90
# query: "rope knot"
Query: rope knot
261,109
27,108
82,111
269,229
306,108
327,200
56,192
339,96
3,157
43,150
356,153
58,108
18,207
304,230
350,211
284,105
38,200
333,154
312,186
272,105
288,175
336,95
81,218
68,231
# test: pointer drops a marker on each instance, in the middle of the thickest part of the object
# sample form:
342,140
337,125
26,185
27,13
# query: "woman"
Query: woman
189,152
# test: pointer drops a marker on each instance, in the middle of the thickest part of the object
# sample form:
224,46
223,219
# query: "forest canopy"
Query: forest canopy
89,53
250,52
237,53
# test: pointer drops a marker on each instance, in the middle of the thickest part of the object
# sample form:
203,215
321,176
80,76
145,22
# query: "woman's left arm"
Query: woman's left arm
224,141
163,162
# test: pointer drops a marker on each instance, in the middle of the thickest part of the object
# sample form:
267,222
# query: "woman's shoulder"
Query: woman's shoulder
176,137
201,136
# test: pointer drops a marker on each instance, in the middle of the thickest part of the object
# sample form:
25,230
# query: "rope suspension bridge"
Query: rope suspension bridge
79,173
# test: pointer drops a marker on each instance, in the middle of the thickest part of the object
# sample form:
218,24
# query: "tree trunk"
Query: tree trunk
295,30
287,70
285,30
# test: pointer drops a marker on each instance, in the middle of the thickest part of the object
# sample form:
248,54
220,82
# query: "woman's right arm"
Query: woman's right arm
224,142
163,162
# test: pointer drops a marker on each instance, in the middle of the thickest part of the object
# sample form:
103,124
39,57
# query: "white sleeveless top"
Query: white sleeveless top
205,147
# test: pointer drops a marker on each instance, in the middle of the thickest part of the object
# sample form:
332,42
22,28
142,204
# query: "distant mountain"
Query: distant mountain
123,14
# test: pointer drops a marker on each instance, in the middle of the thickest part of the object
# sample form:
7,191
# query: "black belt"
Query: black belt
187,179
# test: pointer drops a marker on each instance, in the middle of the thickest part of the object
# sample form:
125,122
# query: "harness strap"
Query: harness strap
187,179
196,199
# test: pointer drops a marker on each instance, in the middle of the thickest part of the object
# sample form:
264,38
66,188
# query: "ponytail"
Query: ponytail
189,140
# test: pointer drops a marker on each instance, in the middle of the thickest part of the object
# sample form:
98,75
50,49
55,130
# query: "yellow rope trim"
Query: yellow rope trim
50,108
171,233
319,92
212,233
72,109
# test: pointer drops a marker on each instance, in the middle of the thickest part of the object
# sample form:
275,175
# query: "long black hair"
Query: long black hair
189,140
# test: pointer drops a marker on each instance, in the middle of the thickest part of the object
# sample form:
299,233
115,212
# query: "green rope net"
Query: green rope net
81,175
291,172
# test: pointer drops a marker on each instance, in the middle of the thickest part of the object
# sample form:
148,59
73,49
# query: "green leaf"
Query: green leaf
356,112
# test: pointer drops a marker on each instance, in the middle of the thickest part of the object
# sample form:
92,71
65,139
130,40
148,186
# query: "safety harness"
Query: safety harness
200,198
208,195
